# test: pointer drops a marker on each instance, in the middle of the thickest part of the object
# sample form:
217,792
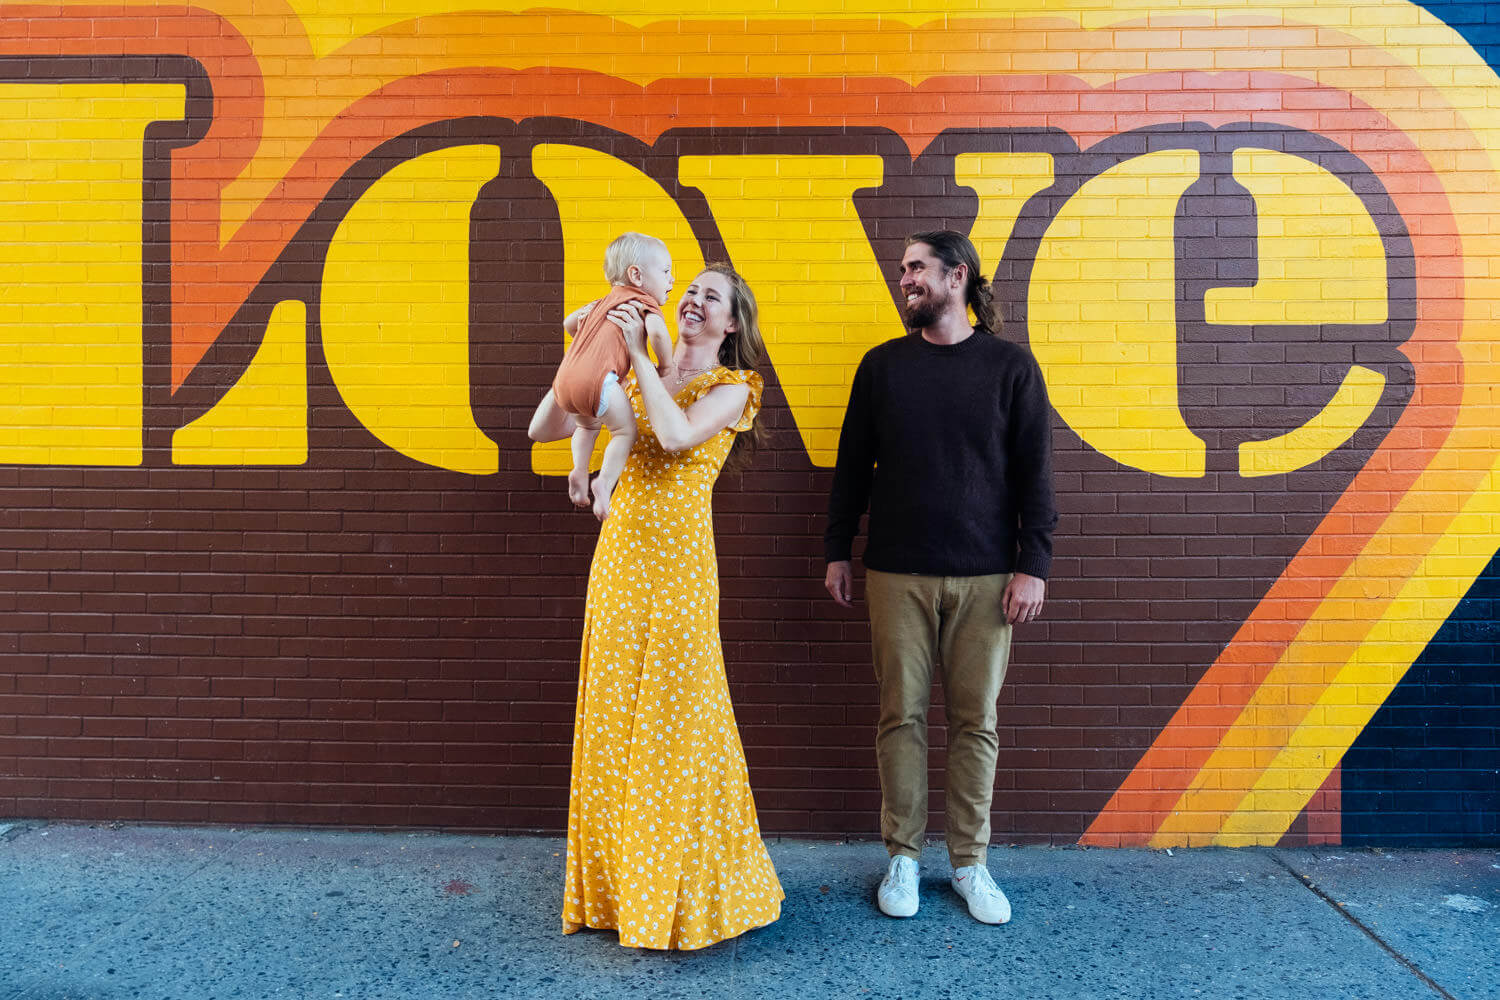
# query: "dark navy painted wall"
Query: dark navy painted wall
1479,23
1426,770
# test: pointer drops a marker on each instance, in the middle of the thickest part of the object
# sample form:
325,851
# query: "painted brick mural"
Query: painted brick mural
283,282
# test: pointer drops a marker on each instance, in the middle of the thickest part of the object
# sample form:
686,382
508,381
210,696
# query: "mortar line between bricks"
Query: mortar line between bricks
1365,928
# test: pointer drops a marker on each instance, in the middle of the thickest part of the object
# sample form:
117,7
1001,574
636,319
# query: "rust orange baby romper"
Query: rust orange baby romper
598,349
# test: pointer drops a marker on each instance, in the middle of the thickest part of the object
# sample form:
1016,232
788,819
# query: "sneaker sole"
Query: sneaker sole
890,912
993,923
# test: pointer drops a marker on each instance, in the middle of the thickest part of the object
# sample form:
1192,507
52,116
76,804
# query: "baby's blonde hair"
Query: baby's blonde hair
627,249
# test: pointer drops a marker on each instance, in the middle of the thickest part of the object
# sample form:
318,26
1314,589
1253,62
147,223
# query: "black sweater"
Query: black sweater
949,448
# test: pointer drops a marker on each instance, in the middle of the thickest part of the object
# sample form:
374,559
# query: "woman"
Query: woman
663,841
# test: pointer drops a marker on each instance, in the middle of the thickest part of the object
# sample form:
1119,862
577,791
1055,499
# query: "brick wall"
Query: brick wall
283,292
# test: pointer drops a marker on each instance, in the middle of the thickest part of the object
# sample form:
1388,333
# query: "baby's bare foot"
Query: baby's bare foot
578,487
601,505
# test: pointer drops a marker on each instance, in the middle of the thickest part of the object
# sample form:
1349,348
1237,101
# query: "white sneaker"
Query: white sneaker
897,894
987,903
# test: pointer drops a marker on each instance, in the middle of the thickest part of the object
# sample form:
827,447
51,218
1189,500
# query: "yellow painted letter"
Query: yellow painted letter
1004,182
598,198
791,227
1103,317
395,310
71,165
263,419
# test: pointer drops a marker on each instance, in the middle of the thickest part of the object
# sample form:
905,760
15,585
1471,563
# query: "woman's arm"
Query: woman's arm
659,339
677,429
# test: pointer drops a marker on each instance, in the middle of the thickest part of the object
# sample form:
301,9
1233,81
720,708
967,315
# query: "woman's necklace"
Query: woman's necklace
686,375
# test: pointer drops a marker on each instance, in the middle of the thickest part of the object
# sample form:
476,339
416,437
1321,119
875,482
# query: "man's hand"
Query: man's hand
1022,600
839,581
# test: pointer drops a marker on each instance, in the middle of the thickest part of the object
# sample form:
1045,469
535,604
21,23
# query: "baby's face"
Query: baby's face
656,274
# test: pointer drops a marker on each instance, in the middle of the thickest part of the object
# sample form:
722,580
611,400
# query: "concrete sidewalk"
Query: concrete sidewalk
150,912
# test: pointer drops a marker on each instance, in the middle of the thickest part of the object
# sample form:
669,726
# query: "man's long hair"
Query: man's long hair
954,249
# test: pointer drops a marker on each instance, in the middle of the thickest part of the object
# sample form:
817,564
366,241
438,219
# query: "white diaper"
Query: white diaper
610,378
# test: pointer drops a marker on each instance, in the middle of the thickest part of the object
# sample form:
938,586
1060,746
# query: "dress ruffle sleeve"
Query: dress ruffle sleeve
734,376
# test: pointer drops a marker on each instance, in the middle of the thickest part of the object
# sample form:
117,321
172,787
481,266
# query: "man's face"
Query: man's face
928,288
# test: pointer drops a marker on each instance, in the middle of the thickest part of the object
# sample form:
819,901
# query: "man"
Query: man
946,442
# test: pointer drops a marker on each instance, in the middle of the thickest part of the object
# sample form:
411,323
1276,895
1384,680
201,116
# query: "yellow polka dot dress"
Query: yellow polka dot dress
663,841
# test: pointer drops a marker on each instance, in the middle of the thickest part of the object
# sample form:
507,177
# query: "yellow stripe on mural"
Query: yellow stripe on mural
1352,651
1364,636
331,24
910,42
1361,686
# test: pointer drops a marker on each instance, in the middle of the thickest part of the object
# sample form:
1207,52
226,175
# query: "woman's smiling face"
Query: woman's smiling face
705,309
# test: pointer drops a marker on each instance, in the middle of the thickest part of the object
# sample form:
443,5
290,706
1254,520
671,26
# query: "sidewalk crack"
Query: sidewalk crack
1369,932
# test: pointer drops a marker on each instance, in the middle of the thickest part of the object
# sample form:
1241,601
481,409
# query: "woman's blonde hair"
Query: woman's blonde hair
743,349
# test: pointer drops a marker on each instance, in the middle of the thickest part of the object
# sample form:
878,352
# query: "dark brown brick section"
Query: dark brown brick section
365,641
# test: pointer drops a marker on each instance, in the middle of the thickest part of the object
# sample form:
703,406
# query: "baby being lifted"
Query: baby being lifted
587,384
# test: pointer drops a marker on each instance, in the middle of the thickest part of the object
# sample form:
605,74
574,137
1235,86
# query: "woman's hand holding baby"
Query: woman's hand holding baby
627,316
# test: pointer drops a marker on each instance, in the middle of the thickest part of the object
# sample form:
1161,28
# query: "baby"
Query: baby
587,384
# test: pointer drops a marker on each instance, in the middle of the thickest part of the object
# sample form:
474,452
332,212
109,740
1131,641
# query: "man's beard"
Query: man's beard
923,313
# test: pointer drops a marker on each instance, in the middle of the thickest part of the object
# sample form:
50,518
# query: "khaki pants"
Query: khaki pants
914,621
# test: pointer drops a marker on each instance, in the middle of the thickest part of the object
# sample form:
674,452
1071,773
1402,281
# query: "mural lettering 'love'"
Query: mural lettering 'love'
282,286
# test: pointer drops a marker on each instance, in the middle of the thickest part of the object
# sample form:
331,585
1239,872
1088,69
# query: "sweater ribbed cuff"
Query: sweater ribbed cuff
1035,564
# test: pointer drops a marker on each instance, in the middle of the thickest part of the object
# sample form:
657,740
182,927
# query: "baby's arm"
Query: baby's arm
570,323
659,339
